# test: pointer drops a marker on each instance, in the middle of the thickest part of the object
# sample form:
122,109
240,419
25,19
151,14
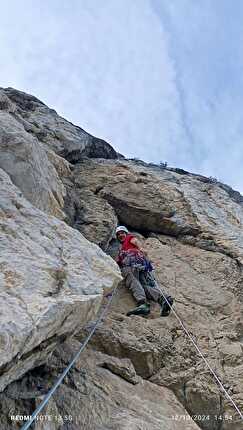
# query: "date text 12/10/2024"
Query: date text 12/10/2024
202,417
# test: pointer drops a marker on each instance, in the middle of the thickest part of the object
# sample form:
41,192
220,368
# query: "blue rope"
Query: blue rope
66,370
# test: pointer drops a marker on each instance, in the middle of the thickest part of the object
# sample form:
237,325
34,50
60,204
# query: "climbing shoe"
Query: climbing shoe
165,308
143,309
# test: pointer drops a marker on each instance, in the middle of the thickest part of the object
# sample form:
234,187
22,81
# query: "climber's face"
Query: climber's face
121,236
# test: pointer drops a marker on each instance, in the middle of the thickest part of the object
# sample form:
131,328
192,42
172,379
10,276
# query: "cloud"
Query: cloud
104,65
205,40
156,79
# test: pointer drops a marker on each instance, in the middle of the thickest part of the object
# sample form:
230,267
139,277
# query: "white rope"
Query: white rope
201,354
66,370
83,345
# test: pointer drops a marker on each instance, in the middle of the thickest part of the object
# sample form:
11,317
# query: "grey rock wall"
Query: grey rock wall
51,282
137,372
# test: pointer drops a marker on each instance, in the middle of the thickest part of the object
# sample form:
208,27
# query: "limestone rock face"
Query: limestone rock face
53,131
27,163
89,214
122,367
150,199
207,287
51,282
138,373
32,136
138,198
95,398
198,260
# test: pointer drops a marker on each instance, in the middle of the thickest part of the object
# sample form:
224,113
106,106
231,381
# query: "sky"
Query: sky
161,80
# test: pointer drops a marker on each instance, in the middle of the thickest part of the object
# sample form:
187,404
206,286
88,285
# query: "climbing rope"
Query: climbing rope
201,354
83,345
66,370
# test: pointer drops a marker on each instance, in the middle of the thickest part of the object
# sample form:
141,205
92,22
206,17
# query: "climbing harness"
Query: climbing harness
201,354
66,370
134,259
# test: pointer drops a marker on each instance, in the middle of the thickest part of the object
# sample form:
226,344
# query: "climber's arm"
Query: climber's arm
135,241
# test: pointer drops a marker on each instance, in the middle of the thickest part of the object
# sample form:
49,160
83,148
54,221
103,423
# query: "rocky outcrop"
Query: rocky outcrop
51,282
122,367
199,261
96,398
31,136
53,131
138,198
89,214
137,372
28,165
208,288
154,200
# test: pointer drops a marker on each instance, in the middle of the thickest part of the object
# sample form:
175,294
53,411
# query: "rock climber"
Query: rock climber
137,272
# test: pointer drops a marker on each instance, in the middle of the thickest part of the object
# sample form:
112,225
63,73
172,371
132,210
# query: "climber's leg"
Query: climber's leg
150,286
166,307
153,292
131,277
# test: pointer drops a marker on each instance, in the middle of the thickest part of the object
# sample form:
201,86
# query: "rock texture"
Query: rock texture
137,373
198,261
207,290
31,136
96,398
51,282
28,165
53,131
